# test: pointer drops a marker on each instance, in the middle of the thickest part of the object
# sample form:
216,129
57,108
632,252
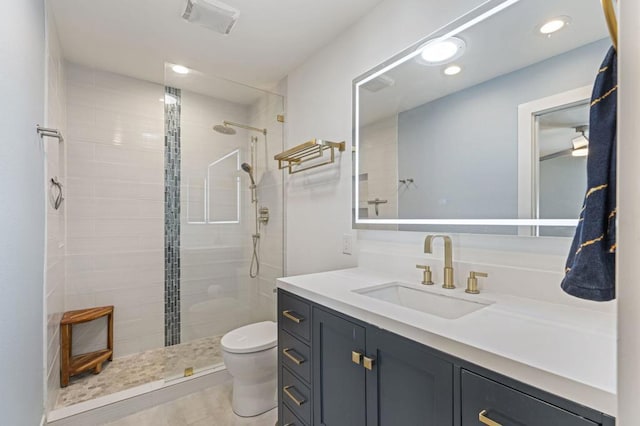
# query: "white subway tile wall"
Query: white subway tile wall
115,194
115,212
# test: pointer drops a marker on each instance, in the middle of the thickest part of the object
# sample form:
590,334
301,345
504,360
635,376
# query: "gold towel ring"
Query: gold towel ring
612,22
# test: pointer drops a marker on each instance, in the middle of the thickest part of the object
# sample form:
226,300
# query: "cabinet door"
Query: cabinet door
408,385
338,382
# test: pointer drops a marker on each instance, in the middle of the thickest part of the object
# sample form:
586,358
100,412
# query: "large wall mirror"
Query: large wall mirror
481,127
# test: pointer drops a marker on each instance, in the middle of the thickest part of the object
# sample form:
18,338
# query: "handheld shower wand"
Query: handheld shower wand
247,168
255,262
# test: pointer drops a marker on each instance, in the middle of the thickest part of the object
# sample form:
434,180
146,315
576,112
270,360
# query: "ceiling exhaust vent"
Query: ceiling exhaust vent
379,83
211,14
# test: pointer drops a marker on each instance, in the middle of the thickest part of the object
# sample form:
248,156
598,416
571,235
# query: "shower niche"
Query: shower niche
214,197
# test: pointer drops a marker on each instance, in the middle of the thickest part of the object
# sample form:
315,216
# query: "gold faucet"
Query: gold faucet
448,257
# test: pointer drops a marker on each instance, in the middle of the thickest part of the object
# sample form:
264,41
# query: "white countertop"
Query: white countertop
564,350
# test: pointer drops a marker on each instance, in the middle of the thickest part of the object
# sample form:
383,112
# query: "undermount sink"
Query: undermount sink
441,305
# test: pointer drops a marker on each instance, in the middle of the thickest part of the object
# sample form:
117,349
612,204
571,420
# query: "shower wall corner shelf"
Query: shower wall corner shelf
294,157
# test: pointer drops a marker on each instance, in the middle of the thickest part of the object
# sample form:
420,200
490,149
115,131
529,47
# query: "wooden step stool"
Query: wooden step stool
72,365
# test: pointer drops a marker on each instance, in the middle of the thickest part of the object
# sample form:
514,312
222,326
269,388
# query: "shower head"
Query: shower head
247,168
224,129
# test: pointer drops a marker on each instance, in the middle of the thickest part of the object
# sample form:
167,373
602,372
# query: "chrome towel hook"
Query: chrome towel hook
56,193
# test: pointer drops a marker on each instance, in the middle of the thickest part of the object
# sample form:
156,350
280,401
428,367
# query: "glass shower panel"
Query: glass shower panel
212,292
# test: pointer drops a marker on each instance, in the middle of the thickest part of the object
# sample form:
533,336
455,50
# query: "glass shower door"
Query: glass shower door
211,291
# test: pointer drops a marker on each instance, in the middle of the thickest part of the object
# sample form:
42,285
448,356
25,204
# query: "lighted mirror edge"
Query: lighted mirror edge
494,222
478,14
214,222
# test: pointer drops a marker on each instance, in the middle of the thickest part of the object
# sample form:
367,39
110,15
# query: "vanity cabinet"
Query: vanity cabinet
335,370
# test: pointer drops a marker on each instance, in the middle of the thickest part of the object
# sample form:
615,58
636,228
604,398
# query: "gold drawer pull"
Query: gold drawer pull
287,353
368,362
486,420
292,397
356,357
290,315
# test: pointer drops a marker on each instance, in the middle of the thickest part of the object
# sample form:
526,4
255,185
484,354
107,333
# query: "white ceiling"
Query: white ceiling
136,37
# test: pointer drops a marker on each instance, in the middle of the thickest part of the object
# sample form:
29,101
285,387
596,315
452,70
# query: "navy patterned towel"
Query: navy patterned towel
590,269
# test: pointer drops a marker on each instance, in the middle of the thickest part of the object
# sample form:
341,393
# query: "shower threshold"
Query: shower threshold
133,375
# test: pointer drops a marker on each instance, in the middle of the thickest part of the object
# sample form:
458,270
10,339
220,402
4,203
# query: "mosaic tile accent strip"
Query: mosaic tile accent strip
145,367
172,112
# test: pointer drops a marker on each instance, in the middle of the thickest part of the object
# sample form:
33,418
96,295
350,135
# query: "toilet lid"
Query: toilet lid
251,338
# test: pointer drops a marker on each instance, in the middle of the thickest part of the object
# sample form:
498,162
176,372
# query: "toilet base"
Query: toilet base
252,399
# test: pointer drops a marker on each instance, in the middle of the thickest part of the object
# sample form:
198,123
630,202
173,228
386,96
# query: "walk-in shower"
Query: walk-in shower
158,217
226,128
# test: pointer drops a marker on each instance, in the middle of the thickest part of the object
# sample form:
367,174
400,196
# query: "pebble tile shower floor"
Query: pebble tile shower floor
146,367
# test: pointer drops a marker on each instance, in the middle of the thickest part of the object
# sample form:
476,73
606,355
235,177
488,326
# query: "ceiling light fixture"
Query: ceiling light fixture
439,51
554,25
180,69
452,70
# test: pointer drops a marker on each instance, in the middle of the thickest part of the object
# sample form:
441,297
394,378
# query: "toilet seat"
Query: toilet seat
251,338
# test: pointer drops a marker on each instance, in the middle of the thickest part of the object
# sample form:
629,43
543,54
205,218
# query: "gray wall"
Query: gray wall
22,214
462,149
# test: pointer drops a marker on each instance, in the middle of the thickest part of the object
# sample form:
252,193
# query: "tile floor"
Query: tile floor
210,407
135,370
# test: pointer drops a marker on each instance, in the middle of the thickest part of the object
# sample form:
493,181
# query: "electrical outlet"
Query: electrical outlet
347,243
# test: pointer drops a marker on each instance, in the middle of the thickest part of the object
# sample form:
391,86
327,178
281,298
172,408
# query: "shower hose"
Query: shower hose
254,269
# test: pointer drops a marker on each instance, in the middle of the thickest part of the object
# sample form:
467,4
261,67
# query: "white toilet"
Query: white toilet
250,354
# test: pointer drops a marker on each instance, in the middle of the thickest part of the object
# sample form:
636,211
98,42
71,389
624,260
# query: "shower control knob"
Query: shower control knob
263,215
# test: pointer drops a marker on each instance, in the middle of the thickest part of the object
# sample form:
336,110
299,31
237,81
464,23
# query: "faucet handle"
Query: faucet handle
472,281
426,274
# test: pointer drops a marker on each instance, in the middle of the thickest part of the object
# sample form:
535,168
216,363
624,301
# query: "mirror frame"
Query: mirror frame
473,17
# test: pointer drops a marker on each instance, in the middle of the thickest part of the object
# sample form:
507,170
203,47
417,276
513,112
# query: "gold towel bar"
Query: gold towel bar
292,158
612,22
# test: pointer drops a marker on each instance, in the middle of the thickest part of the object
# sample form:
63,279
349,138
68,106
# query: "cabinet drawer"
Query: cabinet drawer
294,315
296,396
500,405
295,355
289,419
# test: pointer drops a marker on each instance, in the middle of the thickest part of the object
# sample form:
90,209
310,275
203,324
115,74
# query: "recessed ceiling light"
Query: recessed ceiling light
452,70
438,52
180,69
554,25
